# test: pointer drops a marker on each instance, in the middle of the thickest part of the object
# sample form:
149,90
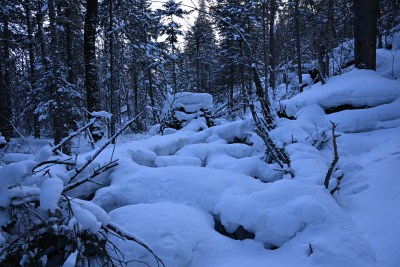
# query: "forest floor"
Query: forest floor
205,197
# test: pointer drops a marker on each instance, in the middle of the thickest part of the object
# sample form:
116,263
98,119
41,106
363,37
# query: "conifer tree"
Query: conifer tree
200,54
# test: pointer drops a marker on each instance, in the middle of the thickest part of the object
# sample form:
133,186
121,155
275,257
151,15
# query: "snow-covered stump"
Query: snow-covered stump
181,108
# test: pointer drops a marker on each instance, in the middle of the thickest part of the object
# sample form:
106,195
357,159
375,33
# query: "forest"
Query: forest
199,133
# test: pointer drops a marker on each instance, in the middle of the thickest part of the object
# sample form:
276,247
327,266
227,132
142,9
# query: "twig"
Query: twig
337,187
23,137
335,158
116,229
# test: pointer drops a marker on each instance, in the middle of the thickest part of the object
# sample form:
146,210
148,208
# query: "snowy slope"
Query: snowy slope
368,148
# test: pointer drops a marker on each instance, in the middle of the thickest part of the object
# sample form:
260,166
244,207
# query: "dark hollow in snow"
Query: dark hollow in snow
239,234
344,107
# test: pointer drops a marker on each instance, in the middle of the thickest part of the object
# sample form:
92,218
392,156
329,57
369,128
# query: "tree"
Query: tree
200,54
365,31
5,81
91,78
298,44
32,70
64,99
272,48
172,30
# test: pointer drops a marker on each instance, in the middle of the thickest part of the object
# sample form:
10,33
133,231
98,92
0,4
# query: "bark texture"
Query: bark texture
365,30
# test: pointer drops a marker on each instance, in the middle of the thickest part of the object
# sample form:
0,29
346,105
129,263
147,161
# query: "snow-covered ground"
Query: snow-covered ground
205,197
192,180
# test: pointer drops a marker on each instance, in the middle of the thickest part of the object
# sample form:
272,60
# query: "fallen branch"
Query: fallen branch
277,154
72,135
52,162
97,172
99,150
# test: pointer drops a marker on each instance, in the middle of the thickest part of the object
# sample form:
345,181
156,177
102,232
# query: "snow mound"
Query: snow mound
182,108
174,231
206,152
165,161
195,186
184,236
357,88
189,102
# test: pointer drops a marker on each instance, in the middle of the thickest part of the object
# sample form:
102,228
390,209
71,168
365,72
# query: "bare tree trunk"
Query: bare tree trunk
151,94
265,50
298,47
32,74
112,74
60,112
198,84
365,28
5,110
39,21
379,16
69,40
272,48
89,49
242,78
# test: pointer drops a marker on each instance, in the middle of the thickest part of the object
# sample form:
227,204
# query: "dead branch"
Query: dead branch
277,154
76,133
335,156
97,172
337,187
99,150
51,163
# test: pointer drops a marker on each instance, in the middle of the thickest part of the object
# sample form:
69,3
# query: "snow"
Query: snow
357,88
51,193
170,191
2,140
43,154
86,218
165,161
99,213
367,146
102,114
71,260
190,102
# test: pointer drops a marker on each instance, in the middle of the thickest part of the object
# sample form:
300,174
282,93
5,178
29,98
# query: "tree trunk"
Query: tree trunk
112,74
265,51
32,74
89,50
272,51
69,41
39,21
60,109
5,110
298,47
365,28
